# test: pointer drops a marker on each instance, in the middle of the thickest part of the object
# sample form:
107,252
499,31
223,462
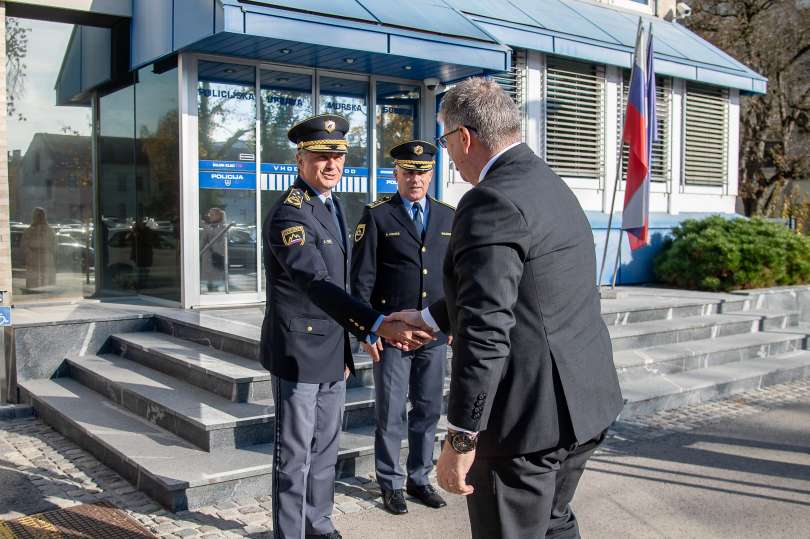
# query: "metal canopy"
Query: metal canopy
606,34
421,38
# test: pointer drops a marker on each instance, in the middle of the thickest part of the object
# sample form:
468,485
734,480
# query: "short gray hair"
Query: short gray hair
483,105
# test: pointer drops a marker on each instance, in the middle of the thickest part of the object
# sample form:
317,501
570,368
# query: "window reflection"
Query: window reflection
226,100
349,98
49,168
396,121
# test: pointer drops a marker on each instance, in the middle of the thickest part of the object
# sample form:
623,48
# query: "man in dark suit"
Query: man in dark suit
533,386
305,341
400,243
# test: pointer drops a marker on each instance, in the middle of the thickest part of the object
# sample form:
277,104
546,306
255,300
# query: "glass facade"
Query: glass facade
123,238
50,170
139,187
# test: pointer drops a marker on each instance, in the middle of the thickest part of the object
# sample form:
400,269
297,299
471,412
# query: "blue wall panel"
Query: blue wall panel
151,30
193,21
635,267
96,56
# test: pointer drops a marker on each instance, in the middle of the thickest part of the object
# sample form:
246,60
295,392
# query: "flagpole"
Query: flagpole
619,166
618,261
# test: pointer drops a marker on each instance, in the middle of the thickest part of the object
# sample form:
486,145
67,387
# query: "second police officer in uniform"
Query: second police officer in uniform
305,343
400,244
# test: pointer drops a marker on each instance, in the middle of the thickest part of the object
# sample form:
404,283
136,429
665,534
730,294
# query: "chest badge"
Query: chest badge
359,232
294,235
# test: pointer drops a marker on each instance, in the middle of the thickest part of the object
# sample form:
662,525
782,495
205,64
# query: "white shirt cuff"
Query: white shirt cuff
428,319
453,427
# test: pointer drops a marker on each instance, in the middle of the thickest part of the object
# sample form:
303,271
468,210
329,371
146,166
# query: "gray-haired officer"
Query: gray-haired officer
305,341
399,248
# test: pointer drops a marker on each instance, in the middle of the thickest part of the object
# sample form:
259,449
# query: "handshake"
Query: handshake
405,330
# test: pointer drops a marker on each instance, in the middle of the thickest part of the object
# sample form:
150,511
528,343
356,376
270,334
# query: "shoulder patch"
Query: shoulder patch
359,232
295,197
295,235
378,202
443,203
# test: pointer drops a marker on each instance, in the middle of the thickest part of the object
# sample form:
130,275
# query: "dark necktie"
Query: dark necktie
417,219
334,212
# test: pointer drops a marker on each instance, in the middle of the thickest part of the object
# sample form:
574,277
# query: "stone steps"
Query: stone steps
231,376
660,332
661,392
684,356
176,473
207,420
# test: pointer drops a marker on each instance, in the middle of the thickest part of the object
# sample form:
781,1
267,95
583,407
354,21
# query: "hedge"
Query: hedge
721,254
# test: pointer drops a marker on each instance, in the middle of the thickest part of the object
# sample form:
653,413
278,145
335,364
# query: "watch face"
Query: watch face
462,442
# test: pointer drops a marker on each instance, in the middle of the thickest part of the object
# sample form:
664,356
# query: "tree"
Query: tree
16,51
773,38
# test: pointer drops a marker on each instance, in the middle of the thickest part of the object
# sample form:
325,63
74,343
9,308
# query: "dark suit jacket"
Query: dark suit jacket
532,359
308,303
392,267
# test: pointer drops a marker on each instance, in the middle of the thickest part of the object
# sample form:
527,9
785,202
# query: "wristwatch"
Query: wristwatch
462,442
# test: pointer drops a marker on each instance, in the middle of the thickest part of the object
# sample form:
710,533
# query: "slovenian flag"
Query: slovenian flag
639,133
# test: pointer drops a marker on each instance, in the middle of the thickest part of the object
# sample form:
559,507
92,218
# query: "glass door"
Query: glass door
396,121
226,106
349,98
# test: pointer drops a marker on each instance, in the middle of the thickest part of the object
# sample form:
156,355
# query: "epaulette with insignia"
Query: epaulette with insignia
378,202
443,203
296,197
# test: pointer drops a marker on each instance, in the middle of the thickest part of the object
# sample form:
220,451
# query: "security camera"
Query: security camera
432,84
682,10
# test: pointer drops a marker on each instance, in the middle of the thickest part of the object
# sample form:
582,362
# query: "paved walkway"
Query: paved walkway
737,468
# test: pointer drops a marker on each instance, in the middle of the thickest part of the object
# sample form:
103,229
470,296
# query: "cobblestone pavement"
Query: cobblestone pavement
65,475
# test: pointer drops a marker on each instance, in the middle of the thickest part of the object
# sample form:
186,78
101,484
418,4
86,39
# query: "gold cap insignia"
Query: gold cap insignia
329,126
359,232
293,236
418,150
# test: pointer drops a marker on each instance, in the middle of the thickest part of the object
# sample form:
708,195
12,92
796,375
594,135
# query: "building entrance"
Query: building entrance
245,161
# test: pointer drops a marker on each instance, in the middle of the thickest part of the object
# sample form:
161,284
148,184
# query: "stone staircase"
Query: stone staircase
185,411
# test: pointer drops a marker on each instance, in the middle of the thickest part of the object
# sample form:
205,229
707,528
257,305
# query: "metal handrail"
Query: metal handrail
210,243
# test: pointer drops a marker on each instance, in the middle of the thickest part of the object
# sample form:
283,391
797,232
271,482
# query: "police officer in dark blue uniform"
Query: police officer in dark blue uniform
400,244
305,341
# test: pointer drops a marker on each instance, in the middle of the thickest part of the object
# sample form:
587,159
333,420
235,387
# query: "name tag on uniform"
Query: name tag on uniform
391,234
327,242
446,233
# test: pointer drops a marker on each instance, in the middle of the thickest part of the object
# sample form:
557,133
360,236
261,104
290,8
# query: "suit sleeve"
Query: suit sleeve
364,257
303,262
490,238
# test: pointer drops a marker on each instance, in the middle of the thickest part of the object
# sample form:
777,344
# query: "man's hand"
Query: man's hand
402,335
452,470
346,373
411,317
374,350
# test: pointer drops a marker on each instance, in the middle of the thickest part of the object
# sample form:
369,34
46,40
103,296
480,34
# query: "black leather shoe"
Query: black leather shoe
394,502
427,495
331,535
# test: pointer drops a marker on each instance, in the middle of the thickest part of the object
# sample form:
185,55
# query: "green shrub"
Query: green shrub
726,254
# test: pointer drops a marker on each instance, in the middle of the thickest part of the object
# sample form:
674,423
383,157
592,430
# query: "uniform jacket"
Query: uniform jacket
309,310
392,268
532,359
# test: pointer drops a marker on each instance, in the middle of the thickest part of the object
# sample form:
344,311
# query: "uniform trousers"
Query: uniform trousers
527,496
308,422
418,375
